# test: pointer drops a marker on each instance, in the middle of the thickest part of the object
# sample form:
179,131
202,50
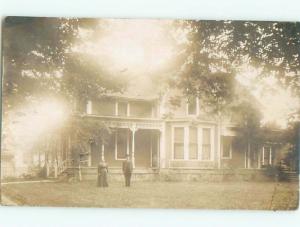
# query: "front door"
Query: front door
142,152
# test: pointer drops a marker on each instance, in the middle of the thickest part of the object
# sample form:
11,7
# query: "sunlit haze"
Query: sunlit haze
29,123
277,103
136,46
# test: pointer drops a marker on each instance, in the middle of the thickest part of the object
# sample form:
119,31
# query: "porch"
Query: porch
140,139
141,144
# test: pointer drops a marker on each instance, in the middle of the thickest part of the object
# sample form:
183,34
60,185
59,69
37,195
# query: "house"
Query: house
166,133
162,133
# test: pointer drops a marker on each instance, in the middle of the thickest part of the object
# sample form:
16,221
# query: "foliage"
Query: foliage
40,60
84,130
274,46
292,136
203,73
248,119
224,46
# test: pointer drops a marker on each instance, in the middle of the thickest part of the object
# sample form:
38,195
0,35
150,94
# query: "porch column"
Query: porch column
90,153
270,157
47,169
245,158
89,107
69,150
263,155
102,150
249,156
151,149
127,142
133,129
259,159
219,143
162,150
158,149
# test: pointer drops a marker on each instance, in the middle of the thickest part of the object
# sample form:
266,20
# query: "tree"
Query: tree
273,46
292,136
248,130
223,46
39,60
85,130
203,70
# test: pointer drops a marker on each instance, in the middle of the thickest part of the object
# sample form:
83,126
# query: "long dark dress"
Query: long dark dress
102,174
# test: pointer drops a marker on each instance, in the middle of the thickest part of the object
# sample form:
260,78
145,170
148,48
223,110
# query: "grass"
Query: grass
225,195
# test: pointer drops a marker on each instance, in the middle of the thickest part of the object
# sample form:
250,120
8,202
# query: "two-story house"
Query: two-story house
167,133
161,133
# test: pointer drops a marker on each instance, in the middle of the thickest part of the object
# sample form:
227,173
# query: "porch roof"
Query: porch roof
128,97
128,122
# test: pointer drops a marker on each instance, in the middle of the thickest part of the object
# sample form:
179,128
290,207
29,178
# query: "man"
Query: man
102,174
127,170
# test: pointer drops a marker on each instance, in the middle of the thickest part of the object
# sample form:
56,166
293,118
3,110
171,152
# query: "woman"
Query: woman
102,174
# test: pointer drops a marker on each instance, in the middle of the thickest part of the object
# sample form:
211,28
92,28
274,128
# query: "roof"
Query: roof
126,96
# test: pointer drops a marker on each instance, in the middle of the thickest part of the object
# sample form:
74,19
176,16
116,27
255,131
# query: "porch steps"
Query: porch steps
291,176
288,175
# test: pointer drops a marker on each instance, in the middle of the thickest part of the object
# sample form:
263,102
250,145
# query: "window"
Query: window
179,143
193,144
226,146
267,155
140,109
206,144
122,108
105,107
192,106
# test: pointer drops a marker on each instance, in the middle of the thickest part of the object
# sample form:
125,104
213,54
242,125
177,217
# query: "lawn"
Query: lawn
225,195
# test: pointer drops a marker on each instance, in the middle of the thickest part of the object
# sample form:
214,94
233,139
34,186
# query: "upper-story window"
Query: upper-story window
122,108
192,106
104,107
140,109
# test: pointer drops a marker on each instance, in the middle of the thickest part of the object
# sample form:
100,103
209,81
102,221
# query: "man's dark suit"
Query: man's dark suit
127,171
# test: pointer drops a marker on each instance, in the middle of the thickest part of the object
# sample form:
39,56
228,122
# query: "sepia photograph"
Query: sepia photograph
150,113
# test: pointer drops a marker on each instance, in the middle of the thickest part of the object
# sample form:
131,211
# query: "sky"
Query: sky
137,46
135,49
